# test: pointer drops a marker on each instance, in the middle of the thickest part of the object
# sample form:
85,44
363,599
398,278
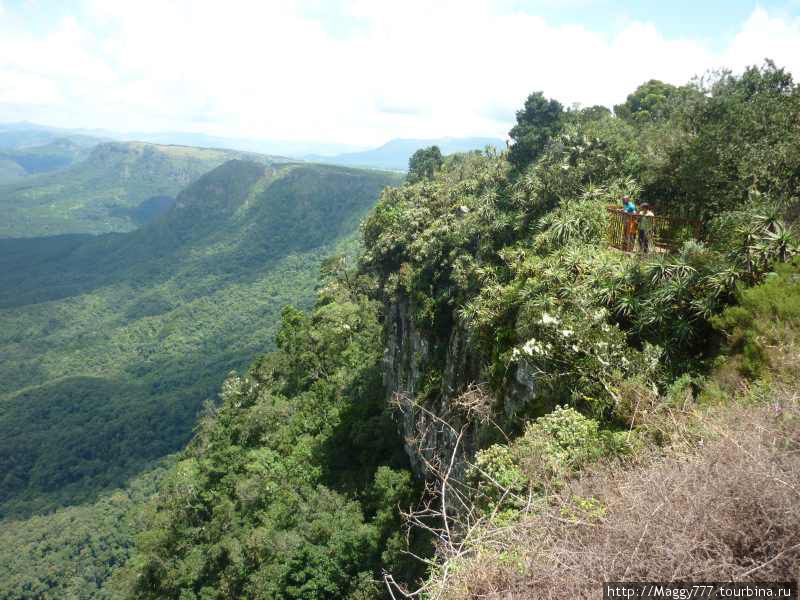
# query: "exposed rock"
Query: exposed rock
521,390
424,412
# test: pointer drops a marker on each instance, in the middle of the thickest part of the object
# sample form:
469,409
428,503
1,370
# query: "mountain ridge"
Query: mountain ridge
33,131
112,342
391,155
118,187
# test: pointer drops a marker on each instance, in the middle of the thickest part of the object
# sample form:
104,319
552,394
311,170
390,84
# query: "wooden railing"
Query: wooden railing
666,234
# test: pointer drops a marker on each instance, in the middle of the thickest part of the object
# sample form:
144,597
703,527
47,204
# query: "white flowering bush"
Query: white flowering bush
577,356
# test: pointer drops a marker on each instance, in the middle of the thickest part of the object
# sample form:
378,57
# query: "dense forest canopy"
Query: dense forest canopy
112,343
291,487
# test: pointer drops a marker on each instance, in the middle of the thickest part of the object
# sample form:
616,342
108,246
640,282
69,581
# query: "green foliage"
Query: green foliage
669,300
497,480
733,135
72,552
680,393
558,445
519,261
516,260
755,235
112,343
576,356
290,489
583,509
763,323
537,122
594,113
584,221
650,102
424,163
552,449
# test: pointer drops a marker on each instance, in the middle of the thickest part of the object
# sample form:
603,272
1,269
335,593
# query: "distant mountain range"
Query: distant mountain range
393,155
25,134
25,152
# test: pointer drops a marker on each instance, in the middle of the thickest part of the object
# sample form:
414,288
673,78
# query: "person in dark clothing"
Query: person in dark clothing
645,227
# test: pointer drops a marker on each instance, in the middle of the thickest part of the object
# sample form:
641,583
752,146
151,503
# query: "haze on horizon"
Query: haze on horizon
359,72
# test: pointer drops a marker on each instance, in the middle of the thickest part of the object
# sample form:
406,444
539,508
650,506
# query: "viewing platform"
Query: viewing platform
667,233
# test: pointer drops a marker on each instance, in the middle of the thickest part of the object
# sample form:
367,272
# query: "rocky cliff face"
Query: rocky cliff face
433,388
424,389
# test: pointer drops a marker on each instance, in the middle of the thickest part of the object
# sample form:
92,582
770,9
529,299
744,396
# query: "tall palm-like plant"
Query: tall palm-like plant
779,242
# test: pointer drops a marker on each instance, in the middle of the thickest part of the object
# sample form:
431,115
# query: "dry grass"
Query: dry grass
728,509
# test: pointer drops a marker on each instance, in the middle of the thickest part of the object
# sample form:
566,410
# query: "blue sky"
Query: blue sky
715,21
360,71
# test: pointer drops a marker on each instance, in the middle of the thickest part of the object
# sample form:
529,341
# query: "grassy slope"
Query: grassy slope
101,193
111,344
714,507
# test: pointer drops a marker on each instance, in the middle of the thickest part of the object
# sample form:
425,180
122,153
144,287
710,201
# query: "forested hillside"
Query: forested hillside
61,153
491,333
487,398
118,186
111,344
72,552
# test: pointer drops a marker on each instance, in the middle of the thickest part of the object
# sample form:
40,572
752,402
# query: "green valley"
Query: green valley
110,344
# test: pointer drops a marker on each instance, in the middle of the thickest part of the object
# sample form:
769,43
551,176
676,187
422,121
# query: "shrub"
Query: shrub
763,327
497,479
557,445
584,221
554,448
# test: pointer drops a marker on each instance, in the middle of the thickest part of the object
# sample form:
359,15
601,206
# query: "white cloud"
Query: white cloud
23,88
416,68
763,36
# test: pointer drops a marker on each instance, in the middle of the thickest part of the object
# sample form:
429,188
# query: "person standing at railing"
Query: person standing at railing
645,227
628,223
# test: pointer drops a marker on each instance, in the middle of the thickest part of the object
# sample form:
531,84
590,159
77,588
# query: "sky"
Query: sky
360,72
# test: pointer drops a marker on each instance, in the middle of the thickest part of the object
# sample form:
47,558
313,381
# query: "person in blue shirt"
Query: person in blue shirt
628,205
628,223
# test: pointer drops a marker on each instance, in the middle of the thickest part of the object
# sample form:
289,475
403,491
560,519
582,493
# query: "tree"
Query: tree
424,163
650,102
537,122
594,113
736,134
